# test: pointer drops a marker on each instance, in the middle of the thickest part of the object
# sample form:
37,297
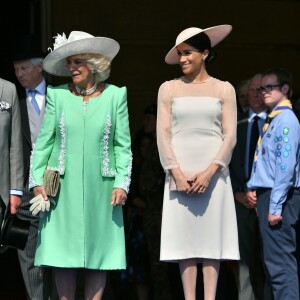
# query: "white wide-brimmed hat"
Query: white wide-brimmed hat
78,42
216,34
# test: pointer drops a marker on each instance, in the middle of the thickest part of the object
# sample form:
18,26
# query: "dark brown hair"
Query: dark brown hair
202,42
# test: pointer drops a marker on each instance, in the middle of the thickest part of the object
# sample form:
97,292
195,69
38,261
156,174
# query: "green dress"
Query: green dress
83,229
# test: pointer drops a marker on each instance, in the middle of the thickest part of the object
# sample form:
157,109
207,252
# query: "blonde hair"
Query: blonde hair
99,65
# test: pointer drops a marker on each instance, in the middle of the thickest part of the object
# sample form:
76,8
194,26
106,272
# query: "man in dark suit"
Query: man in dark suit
242,99
250,269
28,66
11,157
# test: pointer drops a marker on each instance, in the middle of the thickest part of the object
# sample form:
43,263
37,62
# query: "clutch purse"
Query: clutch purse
14,232
51,182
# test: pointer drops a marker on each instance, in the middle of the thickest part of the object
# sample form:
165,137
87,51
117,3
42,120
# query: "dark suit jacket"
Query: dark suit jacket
250,275
26,138
237,167
237,164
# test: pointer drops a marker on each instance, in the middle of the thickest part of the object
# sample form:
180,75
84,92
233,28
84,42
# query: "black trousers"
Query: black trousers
37,281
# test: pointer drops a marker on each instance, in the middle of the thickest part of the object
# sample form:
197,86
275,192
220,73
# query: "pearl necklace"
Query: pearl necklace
87,92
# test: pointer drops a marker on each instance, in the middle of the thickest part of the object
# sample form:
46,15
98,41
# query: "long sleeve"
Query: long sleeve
286,169
16,152
122,143
44,143
166,153
229,123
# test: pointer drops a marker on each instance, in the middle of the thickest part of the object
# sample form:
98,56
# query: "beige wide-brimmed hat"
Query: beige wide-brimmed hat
78,42
216,34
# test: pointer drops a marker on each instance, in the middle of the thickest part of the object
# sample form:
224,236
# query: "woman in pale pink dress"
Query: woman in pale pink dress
196,133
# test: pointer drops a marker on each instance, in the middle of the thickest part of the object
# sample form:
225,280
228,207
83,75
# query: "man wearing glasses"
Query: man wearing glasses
275,183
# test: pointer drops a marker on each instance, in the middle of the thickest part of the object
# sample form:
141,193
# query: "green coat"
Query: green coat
91,151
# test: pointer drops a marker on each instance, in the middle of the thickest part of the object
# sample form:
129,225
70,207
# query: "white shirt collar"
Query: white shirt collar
262,115
41,88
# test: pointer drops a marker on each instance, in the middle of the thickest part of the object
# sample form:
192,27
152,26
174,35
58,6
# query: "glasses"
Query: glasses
254,91
268,88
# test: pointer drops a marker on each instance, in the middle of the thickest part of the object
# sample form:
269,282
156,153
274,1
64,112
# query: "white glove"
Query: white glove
38,204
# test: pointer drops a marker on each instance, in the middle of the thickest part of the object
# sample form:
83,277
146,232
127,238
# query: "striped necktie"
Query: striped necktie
283,105
34,103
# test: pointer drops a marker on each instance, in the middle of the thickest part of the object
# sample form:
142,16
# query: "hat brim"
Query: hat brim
55,62
216,34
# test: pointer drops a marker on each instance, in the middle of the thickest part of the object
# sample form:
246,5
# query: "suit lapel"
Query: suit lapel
243,137
24,117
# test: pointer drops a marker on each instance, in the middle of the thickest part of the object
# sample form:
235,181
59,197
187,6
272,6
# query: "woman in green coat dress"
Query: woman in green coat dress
85,136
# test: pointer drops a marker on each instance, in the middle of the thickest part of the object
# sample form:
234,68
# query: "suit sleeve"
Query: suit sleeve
122,144
44,143
16,152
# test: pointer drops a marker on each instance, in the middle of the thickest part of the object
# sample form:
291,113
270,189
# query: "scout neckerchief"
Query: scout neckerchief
283,105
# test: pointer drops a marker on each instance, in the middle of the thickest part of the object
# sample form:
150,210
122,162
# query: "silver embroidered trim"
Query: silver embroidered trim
106,171
32,182
126,183
61,157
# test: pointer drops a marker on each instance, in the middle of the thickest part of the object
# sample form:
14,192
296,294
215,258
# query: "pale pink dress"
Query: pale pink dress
197,126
